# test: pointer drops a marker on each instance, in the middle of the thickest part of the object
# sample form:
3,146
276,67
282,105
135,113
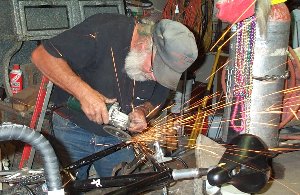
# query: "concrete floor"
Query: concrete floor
286,180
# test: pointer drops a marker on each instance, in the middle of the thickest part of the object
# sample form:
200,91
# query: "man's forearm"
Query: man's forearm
59,72
147,108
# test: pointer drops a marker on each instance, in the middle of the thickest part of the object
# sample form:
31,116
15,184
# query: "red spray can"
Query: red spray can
16,79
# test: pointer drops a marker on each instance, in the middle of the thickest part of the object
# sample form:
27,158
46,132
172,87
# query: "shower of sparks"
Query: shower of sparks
133,94
153,111
220,68
286,149
59,53
292,111
115,69
94,36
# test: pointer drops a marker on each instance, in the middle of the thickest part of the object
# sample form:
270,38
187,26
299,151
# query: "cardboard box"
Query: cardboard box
25,99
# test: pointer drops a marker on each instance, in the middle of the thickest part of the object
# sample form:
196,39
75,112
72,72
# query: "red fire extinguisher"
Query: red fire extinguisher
16,79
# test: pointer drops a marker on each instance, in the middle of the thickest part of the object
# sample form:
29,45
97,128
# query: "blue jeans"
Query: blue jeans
74,143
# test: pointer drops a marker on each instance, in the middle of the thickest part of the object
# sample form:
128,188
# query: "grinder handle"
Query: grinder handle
74,104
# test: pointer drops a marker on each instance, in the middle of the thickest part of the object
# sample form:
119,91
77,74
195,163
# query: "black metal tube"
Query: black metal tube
96,156
107,182
41,144
161,178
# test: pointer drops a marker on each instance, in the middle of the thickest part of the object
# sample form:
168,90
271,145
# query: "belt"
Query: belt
60,112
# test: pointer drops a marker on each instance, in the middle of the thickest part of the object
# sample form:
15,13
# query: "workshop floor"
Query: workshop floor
287,175
286,168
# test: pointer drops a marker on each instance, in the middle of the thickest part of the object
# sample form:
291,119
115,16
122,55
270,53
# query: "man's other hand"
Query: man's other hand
93,105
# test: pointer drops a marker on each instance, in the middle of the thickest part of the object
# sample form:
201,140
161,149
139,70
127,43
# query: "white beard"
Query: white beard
133,66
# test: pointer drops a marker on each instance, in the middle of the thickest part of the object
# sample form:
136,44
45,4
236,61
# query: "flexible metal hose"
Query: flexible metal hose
296,108
40,143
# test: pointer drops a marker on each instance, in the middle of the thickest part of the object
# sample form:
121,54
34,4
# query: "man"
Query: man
110,58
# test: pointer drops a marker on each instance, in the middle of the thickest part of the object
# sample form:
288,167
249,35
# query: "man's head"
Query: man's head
139,59
176,50
167,52
135,63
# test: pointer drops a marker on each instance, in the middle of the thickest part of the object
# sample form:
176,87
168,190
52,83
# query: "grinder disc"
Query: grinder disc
120,134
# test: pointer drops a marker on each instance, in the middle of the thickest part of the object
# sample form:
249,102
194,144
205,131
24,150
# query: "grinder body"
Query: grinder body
117,118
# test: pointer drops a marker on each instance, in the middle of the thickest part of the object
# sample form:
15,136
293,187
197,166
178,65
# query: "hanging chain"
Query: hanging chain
228,84
272,77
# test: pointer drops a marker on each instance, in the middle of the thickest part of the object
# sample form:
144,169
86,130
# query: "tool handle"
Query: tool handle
74,104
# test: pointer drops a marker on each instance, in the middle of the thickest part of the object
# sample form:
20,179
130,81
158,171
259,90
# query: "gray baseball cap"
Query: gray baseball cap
176,50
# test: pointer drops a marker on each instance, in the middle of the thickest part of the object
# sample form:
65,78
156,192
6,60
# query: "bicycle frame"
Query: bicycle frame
133,183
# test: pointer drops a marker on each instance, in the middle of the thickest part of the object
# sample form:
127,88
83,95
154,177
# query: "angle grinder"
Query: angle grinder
118,121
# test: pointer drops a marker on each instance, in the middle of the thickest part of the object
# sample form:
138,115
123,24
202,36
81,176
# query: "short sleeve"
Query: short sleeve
76,46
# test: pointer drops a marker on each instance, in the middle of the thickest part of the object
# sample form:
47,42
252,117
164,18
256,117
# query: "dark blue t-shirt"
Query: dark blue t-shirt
96,50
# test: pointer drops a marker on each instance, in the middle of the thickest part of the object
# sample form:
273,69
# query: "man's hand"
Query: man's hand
137,120
93,105
138,116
